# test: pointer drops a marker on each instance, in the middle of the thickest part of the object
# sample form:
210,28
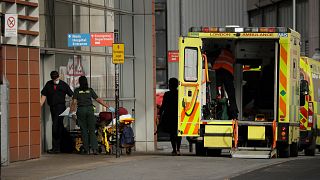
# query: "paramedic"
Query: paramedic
55,92
223,65
82,98
169,115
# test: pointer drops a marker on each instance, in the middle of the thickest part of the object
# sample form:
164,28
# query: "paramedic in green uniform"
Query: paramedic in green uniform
83,96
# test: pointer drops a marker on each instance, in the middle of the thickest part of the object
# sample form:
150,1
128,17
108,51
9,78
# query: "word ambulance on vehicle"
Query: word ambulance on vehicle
267,89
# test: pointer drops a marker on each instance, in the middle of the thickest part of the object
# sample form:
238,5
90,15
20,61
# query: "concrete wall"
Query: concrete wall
144,74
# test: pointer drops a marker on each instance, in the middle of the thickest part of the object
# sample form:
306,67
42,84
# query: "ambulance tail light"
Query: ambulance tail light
310,114
283,130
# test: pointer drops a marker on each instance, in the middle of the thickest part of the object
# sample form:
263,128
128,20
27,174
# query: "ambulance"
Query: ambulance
267,90
309,102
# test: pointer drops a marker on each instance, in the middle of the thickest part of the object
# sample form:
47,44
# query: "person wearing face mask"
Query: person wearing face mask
55,91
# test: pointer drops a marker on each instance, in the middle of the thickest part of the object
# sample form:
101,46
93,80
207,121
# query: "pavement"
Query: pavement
138,165
51,166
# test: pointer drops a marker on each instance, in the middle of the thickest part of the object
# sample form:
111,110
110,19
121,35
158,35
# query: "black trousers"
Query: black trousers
175,141
57,125
224,77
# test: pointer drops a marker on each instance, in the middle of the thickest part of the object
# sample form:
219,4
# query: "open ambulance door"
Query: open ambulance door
190,69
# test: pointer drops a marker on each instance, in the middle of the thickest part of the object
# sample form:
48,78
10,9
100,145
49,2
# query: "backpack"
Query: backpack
127,137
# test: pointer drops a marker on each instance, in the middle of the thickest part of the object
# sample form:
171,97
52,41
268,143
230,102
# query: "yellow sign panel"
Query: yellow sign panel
118,53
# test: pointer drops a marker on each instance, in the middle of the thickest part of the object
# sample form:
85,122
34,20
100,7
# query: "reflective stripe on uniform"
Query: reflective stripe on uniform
225,60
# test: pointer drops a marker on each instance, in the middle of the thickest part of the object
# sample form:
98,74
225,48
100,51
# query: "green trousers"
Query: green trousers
87,123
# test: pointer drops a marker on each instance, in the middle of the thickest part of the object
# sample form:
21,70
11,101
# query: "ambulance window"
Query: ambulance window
294,68
191,64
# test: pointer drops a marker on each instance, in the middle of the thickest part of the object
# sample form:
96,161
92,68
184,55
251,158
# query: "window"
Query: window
191,64
97,25
63,23
80,25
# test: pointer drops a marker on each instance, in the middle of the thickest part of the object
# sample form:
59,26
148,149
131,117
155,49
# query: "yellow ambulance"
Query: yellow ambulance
267,91
309,101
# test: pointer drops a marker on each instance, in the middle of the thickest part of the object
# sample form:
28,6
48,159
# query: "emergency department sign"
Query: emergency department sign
11,25
117,53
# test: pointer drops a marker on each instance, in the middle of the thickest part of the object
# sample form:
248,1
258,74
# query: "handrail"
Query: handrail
274,128
206,77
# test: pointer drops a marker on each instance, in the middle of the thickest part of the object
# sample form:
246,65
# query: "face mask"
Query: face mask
56,82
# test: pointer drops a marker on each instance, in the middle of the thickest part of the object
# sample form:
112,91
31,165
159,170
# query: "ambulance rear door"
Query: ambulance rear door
190,70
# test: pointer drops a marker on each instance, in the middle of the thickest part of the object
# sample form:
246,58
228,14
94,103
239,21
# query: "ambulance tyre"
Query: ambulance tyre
200,149
294,149
311,150
284,151
214,152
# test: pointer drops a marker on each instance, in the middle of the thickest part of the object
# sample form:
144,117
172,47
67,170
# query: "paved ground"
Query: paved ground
160,165
295,169
135,166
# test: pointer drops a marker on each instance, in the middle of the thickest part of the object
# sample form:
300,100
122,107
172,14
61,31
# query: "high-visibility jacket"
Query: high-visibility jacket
225,60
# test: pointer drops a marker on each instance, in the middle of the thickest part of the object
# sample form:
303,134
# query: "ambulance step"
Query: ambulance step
253,154
255,123
254,148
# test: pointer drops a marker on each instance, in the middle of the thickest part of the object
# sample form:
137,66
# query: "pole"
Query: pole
180,17
294,14
116,39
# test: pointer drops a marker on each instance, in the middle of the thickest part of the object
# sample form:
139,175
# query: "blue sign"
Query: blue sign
78,40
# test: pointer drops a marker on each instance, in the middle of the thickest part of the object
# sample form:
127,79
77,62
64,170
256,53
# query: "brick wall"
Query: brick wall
21,68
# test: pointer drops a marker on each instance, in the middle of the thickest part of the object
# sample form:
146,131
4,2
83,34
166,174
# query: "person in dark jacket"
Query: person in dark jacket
169,115
55,92
85,114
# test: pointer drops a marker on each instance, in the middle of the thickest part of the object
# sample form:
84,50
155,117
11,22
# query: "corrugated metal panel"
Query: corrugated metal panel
213,13
285,19
173,32
302,24
270,16
173,24
201,13
285,14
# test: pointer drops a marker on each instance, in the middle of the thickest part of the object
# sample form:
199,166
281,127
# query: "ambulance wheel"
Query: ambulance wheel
200,149
100,149
284,151
128,151
311,150
294,150
214,152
